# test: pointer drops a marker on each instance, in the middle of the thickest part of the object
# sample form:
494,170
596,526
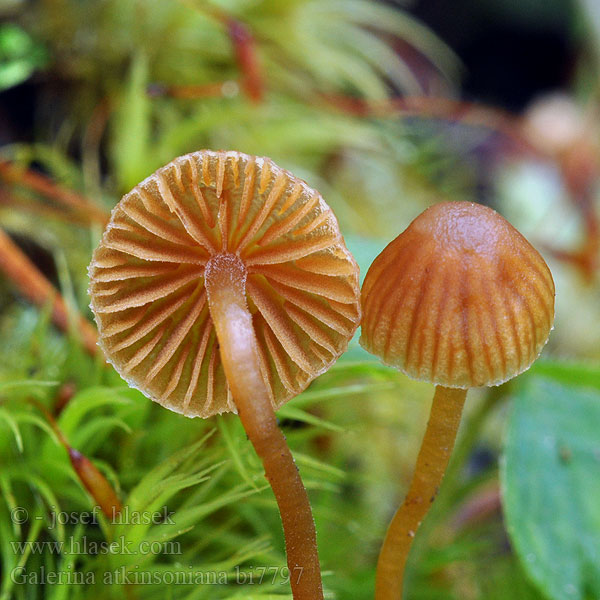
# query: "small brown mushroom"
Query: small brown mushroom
459,299
222,283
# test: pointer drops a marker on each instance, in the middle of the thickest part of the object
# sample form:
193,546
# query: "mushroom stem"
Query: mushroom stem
225,280
436,448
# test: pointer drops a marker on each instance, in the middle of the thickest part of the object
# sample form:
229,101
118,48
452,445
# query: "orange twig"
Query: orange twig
16,200
34,286
45,186
92,479
194,92
580,166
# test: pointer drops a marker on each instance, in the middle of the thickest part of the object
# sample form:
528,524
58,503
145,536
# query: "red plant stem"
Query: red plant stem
225,280
484,503
64,395
36,288
246,55
436,448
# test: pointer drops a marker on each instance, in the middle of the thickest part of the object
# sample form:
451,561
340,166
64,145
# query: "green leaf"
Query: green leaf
13,426
20,56
34,532
569,373
234,451
25,384
551,487
297,414
131,130
310,397
25,417
150,486
88,400
189,517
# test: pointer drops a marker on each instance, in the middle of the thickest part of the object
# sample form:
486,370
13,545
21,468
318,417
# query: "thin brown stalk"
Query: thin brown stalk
36,288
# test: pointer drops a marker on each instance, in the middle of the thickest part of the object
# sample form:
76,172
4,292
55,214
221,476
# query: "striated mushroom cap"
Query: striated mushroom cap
147,279
459,299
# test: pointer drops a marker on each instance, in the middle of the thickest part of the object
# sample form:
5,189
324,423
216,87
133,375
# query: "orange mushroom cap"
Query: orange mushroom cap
459,299
147,279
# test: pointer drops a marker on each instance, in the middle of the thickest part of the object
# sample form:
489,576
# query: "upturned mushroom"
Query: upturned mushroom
459,299
222,283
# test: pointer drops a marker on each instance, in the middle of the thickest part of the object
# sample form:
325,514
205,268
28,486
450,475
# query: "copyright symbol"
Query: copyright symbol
19,515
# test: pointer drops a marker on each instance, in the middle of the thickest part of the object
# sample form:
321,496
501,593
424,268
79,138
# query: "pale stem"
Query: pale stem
436,448
225,281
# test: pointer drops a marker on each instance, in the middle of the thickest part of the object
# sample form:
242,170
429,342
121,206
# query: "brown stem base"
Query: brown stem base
225,280
432,461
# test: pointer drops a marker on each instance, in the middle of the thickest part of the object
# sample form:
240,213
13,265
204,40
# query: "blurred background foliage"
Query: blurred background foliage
386,108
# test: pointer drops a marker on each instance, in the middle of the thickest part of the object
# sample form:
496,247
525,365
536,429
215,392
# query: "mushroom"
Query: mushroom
459,299
222,283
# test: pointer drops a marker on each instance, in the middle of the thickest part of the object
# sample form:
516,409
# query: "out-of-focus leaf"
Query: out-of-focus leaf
399,23
131,131
44,490
33,419
88,400
20,56
551,487
34,532
297,414
26,385
13,426
365,250
310,397
569,373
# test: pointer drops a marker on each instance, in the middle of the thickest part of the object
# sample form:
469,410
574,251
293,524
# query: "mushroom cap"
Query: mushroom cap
147,279
459,299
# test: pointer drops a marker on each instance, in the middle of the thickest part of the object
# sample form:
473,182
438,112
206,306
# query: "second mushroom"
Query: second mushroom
459,299
222,283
